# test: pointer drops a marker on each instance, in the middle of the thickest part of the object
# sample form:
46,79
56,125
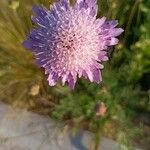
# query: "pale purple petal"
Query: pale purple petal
52,78
91,4
97,75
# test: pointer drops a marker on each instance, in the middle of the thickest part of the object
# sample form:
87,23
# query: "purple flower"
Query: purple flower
70,41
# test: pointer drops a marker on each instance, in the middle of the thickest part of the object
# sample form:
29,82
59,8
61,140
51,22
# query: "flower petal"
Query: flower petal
52,78
87,4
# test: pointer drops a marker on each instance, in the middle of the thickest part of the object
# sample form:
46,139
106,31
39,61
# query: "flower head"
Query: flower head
70,41
101,109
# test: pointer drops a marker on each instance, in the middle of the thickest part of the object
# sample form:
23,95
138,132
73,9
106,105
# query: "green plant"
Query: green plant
123,90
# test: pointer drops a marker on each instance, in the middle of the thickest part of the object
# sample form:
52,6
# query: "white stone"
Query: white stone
22,130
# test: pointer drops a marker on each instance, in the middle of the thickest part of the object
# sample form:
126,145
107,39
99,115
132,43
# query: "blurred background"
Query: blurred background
125,90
